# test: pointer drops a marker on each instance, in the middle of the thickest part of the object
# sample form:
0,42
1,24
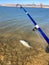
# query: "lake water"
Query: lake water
14,26
14,19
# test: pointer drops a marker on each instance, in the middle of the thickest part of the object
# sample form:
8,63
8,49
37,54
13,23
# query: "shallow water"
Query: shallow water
12,17
14,26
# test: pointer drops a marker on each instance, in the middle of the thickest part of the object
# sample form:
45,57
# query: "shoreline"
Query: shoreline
26,5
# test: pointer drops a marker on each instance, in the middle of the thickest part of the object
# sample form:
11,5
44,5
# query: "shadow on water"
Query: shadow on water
47,49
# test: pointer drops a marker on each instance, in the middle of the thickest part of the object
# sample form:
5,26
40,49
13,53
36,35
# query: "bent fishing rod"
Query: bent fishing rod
37,27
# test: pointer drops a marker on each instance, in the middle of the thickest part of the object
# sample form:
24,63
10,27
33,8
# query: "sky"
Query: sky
46,2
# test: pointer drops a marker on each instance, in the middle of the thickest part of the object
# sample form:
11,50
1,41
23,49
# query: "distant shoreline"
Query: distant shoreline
26,5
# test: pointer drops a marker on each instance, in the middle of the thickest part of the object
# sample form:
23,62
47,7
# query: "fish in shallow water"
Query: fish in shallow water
25,43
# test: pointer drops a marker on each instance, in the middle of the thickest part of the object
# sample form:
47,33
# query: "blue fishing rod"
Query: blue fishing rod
37,27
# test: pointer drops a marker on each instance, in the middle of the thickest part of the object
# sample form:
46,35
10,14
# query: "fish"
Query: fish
25,43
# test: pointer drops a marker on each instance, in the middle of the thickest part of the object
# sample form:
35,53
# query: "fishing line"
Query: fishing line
41,40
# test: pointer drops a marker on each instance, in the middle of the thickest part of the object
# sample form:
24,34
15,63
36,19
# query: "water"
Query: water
15,26
13,19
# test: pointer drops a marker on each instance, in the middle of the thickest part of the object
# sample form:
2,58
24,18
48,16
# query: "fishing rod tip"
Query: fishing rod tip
18,5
